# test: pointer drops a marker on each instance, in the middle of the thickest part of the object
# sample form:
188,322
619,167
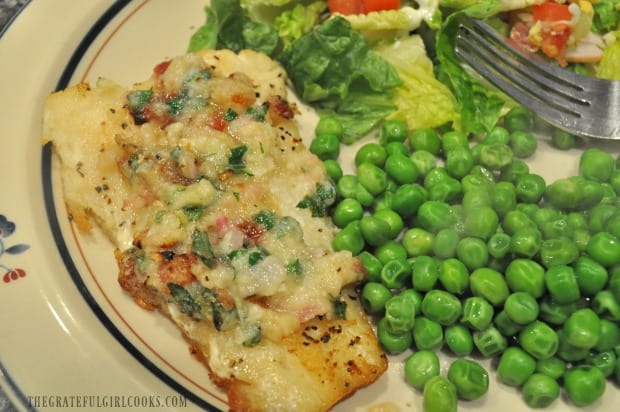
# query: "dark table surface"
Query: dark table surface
8,8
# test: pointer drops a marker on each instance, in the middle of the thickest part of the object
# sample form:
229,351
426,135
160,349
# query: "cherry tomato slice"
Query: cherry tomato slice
551,11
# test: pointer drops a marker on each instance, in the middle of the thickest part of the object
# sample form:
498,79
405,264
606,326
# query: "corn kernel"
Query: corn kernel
586,7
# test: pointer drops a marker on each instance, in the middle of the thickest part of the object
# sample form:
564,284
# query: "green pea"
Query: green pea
396,148
435,215
372,178
582,328
554,312
477,313
349,238
392,343
454,276
545,214
472,252
383,201
325,146
441,307
523,143
374,230
448,190
400,314
513,171
553,367
539,340
372,265
334,171
459,340
395,273
347,186
420,367
503,198
372,153
393,130
596,164
604,248
475,198
424,161
481,222
584,384
505,325
444,243
558,251
476,182
498,245
610,336
540,391
598,217
515,366
563,194
452,139
417,242
591,192
561,284
408,198
390,250
363,196
556,228
521,307
489,342
374,297
614,281
498,134
434,176
495,156
525,275
518,118
459,162
439,395
427,334
569,352
393,219
526,242
563,140
530,188
489,284
605,361
591,275
515,220
470,379
425,273
347,211
425,139
605,305
401,168
329,125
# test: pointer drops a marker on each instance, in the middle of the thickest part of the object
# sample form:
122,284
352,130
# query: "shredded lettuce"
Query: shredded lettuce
294,23
334,69
421,100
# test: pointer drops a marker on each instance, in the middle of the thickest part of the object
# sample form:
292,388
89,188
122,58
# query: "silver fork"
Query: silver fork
581,105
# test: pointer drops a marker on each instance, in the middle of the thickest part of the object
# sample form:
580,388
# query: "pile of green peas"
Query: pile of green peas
469,252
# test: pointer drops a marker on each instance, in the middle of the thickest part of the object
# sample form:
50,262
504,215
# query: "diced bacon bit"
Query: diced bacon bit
217,122
251,229
222,225
225,176
225,298
131,283
177,269
161,68
243,99
279,110
171,172
519,38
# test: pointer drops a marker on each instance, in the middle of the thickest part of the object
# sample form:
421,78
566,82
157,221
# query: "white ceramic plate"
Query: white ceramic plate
69,336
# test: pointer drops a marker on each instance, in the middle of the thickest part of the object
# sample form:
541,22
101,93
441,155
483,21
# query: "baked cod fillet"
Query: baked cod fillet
217,213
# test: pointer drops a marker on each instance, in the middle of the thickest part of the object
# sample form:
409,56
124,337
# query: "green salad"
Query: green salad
467,250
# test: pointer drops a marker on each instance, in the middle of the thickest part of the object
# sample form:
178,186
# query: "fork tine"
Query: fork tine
515,74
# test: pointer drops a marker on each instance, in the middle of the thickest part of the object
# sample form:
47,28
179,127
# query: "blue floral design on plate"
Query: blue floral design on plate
7,228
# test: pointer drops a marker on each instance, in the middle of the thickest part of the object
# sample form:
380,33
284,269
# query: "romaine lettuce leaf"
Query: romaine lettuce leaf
421,100
334,69
480,107
402,20
227,26
301,19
